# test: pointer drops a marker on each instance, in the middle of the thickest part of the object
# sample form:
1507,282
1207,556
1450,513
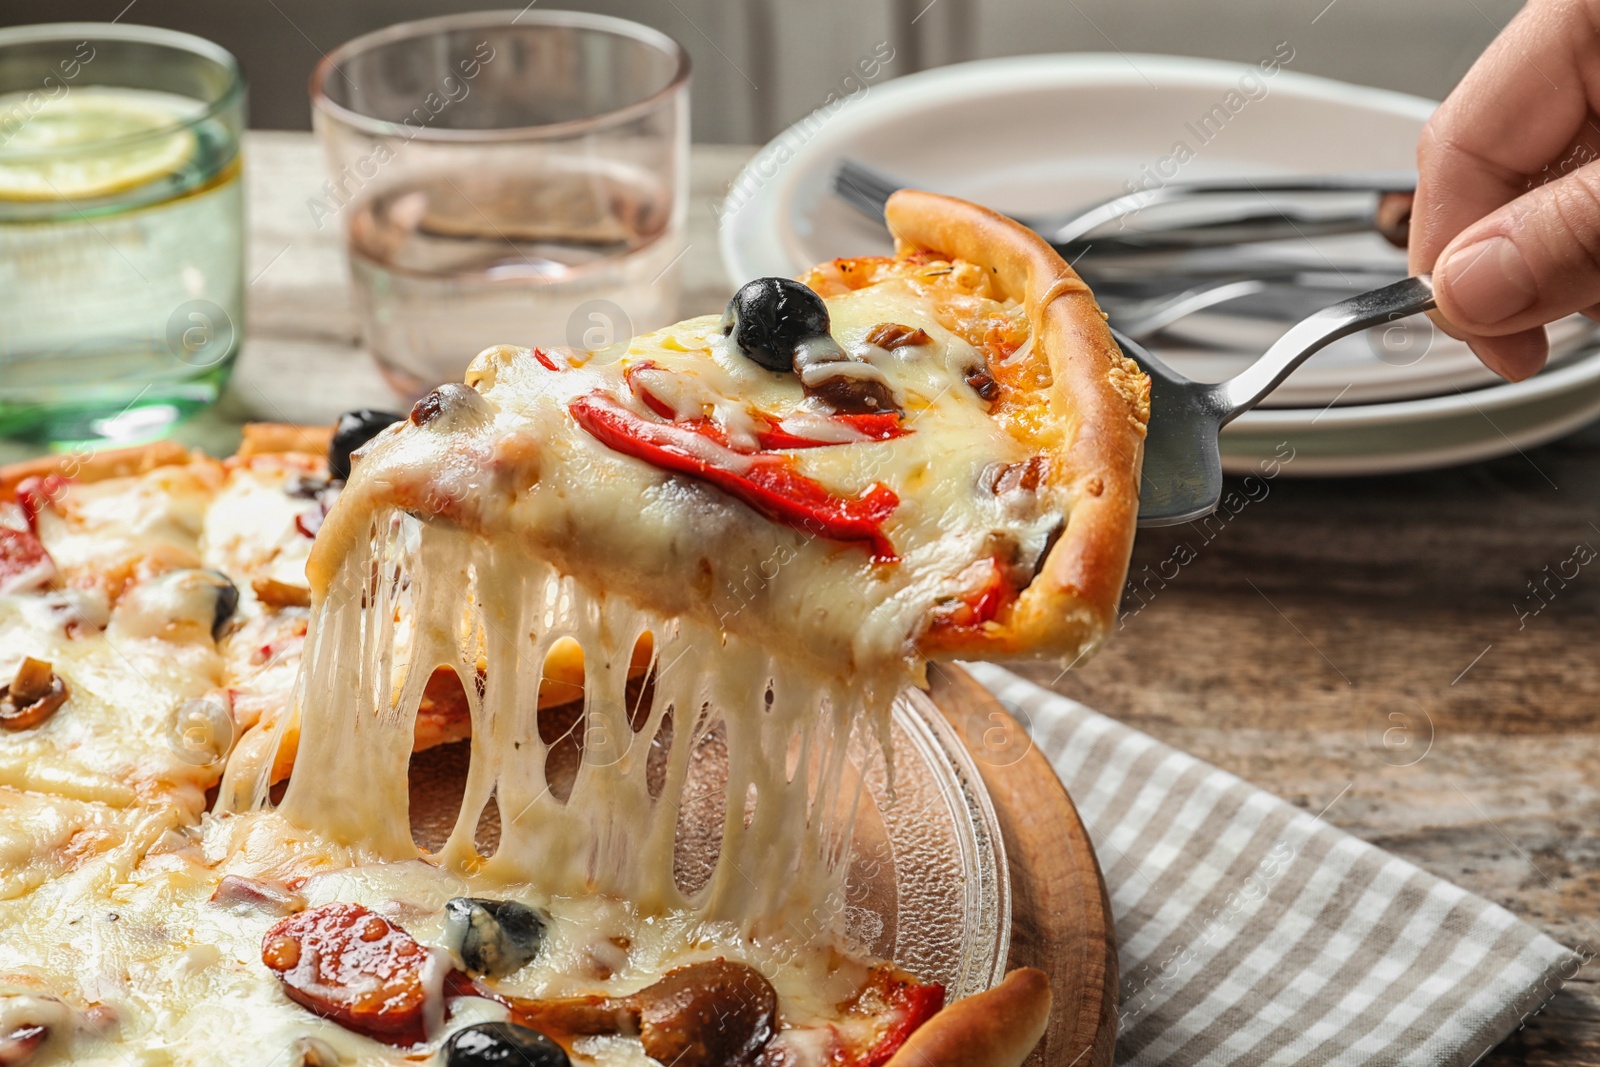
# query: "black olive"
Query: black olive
770,316
306,486
227,602
354,429
493,937
497,1044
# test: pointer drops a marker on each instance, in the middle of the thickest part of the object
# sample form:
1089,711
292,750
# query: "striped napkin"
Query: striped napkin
1251,932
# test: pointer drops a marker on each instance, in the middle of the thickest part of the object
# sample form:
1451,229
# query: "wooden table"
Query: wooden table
1319,618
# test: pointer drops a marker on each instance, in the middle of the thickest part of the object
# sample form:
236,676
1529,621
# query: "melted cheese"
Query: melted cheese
110,533
119,737
533,532
145,964
494,541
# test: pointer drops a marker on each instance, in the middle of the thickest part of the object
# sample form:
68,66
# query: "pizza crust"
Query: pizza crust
97,466
996,1028
1101,397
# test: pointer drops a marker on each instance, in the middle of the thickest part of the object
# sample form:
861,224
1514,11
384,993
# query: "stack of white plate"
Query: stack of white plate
1046,134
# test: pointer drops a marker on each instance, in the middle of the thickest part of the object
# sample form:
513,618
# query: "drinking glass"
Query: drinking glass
121,229
505,178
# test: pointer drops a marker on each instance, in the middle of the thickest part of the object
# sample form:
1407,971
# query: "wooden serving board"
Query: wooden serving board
1060,915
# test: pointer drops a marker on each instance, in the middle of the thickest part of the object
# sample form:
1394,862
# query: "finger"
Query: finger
1514,356
1533,261
1521,104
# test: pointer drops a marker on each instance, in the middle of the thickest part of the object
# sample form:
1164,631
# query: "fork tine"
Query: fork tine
865,188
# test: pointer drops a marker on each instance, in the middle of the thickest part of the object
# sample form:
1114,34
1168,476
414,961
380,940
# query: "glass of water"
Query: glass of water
121,230
505,178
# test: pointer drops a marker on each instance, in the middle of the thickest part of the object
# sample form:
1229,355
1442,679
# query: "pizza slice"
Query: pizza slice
934,454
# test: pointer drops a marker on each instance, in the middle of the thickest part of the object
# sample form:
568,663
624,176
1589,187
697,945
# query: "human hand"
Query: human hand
1507,212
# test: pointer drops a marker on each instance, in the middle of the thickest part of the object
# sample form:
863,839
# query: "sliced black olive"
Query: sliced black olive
493,937
770,316
502,1045
354,429
227,602
308,486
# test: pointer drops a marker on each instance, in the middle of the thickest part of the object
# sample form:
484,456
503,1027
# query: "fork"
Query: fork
1182,475
868,189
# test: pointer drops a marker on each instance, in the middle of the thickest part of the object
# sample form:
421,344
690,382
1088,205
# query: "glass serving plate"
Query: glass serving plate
928,886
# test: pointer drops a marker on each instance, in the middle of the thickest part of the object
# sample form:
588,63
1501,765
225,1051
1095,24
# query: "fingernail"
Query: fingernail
1488,282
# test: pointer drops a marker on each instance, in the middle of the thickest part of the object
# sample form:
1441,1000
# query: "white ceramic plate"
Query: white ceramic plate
1045,133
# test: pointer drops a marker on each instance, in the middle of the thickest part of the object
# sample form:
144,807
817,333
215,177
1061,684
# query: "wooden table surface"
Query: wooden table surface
1367,646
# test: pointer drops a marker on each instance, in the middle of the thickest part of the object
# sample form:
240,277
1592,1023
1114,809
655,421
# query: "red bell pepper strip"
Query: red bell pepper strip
36,494
768,483
642,391
981,605
24,562
913,1004
874,426
545,361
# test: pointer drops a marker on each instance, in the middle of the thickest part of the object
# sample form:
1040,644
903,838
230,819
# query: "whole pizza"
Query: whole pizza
742,536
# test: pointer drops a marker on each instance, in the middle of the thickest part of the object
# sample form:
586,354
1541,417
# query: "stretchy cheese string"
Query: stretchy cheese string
416,595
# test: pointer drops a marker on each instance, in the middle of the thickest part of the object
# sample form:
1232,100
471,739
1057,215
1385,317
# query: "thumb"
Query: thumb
1535,260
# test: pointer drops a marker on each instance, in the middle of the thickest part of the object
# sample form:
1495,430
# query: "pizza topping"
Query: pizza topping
354,429
828,373
783,325
502,1045
1003,479
227,601
273,898
803,430
177,605
39,494
34,694
315,1052
24,563
18,1047
716,1014
309,486
986,588
982,382
902,1004
769,317
276,594
493,937
353,966
673,397
892,335
767,482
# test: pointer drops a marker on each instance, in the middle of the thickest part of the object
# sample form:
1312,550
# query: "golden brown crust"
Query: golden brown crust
96,466
996,1028
261,438
1100,396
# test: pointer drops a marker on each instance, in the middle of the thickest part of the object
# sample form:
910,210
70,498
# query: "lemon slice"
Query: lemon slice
51,153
